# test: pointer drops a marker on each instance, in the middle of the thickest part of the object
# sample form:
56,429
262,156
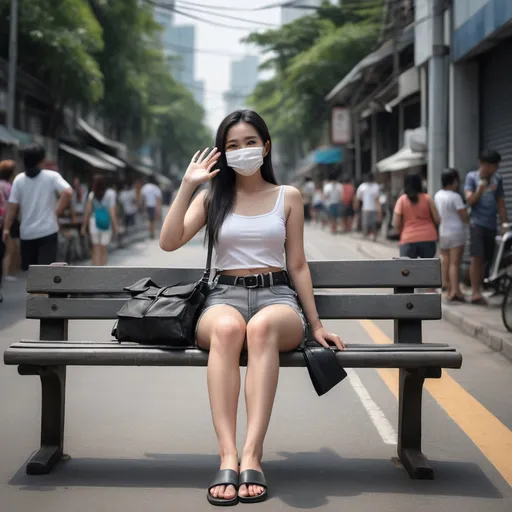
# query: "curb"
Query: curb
493,339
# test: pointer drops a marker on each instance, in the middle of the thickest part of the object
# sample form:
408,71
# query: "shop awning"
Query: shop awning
93,160
95,134
406,158
6,137
341,90
109,158
324,155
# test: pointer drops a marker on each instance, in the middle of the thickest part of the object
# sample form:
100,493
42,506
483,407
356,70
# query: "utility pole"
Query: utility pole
13,58
437,105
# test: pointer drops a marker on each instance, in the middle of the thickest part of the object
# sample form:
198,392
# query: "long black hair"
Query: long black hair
220,198
413,187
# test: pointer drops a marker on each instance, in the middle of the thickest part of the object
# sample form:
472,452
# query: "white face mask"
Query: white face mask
245,161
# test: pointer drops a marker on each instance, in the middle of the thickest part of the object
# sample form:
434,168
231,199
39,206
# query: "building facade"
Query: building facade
244,77
480,96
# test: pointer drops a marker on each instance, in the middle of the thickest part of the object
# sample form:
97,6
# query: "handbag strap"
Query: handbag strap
207,271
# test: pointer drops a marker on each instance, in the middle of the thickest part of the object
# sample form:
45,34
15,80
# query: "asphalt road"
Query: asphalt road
141,438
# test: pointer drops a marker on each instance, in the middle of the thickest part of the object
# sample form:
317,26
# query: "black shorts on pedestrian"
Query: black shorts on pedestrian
482,242
418,250
151,213
40,251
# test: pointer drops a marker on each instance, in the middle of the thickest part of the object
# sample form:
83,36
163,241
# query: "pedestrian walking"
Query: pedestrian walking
152,197
128,200
100,219
256,227
416,219
308,189
348,193
332,195
318,211
79,200
40,196
486,197
12,246
452,232
368,203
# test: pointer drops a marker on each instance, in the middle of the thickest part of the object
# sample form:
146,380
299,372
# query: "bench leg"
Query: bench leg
53,384
409,422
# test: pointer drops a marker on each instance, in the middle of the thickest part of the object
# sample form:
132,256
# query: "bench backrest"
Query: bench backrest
75,292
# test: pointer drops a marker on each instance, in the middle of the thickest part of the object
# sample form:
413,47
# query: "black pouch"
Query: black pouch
324,369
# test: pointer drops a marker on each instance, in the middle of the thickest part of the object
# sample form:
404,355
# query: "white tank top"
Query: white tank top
253,242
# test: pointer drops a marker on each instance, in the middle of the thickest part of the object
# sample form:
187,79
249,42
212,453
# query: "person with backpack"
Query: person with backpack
101,219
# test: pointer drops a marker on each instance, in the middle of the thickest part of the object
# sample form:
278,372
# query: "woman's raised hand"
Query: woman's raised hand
200,168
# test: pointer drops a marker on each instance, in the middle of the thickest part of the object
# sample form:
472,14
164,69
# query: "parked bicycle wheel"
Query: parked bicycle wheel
506,307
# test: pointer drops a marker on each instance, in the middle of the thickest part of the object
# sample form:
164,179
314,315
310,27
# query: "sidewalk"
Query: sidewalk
482,323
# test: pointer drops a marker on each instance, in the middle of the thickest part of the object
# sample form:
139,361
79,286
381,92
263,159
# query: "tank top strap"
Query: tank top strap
280,202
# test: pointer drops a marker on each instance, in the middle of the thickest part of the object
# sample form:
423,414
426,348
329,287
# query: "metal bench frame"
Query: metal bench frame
76,293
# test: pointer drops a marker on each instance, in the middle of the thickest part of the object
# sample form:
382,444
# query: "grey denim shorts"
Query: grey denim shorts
249,301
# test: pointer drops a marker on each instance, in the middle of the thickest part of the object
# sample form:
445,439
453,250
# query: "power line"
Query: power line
226,16
189,49
154,3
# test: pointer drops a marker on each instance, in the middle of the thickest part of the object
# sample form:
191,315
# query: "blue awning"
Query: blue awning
330,155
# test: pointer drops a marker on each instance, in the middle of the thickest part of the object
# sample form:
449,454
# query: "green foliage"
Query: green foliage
107,55
56,43
308,58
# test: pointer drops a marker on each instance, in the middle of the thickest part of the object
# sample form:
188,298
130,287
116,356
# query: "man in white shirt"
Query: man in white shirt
128,199
35,196
152,197
367,196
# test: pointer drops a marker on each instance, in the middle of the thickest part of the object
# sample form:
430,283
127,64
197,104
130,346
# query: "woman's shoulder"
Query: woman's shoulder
291,192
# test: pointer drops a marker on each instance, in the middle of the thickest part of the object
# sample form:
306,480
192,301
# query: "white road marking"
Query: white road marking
382,424
378,418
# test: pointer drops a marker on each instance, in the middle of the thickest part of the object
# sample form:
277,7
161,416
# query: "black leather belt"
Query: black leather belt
256,281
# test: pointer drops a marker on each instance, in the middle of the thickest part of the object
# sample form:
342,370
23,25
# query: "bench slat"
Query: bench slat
424,273
115,345
425,306
194,357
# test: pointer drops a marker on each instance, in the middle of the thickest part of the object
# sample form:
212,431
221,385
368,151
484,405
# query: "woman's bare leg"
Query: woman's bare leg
96,255
445,269
455,259
274,329
104,255
221,330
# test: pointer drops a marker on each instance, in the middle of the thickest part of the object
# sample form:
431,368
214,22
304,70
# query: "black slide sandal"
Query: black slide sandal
252,477
223,477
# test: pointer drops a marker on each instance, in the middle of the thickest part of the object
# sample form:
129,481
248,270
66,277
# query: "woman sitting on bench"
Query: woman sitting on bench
253,223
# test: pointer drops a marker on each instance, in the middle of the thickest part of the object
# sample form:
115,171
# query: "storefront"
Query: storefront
496,109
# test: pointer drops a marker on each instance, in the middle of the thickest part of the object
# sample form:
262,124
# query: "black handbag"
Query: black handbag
164,316
324,369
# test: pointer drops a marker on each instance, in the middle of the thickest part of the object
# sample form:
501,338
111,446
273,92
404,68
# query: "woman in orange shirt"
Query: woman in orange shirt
416,218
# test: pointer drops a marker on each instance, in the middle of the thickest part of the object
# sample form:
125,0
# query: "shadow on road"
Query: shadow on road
301,480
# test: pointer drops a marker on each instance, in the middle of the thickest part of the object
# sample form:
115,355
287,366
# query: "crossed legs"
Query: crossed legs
223,331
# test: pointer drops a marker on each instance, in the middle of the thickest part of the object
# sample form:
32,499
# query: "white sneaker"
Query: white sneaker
10,279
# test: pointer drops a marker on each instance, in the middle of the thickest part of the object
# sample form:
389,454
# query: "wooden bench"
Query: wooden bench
93,293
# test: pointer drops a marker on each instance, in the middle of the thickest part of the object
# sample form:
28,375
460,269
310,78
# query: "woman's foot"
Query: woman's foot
248,491
226,492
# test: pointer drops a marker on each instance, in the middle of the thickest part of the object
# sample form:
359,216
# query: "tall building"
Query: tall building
178,42
294,11
244,77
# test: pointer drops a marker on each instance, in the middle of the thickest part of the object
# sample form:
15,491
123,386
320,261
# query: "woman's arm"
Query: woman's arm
113,218
87,215
433,210
184,219
298,267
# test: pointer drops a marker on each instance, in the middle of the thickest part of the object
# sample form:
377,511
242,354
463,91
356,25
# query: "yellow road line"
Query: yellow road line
490,435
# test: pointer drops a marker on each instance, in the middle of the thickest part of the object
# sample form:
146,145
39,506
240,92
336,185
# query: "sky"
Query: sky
215,69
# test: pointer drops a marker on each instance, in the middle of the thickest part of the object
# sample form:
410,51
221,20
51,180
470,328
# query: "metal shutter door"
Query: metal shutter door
496,110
